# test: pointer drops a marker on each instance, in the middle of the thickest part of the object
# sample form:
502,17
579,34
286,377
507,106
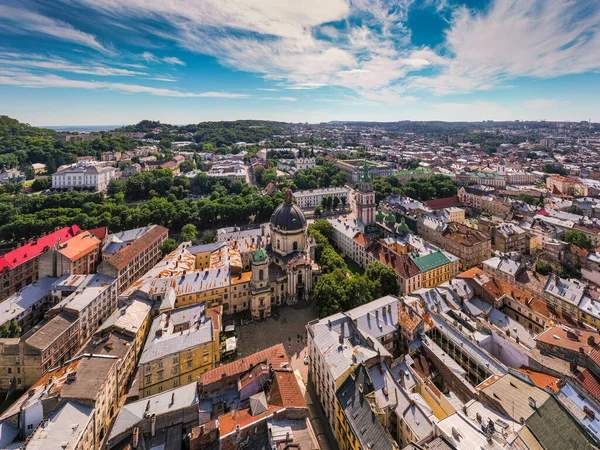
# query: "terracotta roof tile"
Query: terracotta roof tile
541,379
274,355
589,382
285,391
122,258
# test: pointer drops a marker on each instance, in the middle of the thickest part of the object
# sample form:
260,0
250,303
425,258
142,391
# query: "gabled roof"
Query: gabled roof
275,355
33,249
364,422
125,255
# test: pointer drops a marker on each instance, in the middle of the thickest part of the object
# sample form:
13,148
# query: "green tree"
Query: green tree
543,268
208,237
336,202
384,277
41,184
323,226
578,238
189,233
168,246
318,211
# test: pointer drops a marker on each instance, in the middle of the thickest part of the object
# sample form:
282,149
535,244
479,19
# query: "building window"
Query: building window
261,274
148,378
189,364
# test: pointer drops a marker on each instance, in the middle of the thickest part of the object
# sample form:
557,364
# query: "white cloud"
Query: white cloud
25,79
514,38
278,39
59,64
34,23
174,61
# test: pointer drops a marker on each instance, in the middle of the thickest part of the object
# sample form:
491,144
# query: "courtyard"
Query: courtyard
287,325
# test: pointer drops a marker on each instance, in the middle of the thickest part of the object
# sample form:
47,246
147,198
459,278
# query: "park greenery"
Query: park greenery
338,289
158,198
423,189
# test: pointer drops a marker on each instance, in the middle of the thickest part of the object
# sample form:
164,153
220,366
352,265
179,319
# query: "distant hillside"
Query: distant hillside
216,133
22,145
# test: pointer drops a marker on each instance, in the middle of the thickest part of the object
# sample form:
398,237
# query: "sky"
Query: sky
97,62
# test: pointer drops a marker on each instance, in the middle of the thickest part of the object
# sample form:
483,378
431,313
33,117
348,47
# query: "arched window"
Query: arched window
278,243
299,278
295,246
261,274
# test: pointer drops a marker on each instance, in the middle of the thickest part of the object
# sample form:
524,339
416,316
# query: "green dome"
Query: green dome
379,216
403,227
259,255
390,218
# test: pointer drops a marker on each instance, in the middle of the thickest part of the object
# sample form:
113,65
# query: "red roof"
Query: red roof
33,249
100,232
590,383
440,203
541,379
274,355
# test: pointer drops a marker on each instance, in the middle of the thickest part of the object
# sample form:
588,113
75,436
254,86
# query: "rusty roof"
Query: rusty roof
274,355
122,258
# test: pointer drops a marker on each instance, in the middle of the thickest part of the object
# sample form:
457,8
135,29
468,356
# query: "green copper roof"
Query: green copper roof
259,255
432,261
390,218
379,216
403,227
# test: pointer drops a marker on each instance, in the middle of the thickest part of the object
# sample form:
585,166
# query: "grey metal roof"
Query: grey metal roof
63,429
200,332
339,357
165,402
377,318
365,423
21,301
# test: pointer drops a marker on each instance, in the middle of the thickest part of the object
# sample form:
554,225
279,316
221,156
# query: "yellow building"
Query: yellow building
358,425
181,345
436,268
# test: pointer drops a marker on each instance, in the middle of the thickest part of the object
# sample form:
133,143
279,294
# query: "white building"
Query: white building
83,176
312,197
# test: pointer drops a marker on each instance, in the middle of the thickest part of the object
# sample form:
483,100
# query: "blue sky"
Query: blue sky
85,62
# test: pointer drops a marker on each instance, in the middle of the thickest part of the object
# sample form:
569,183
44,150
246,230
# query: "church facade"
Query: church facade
284,270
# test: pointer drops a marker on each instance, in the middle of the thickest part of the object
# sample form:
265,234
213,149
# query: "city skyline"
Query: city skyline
91,62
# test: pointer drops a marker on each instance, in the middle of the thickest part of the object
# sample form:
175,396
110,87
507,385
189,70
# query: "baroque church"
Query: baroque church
284,268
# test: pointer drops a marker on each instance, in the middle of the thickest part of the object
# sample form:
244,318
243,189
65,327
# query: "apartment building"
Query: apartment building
182,344
335,347
19,267
70,407
24,360
92,302
130,254
504,268
310,198
471,246
28,306
557,184
506,237
83,175
348,237
564,295
357,426
78,255
123,335
484,202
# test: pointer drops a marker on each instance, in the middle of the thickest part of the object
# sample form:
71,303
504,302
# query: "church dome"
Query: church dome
288,216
